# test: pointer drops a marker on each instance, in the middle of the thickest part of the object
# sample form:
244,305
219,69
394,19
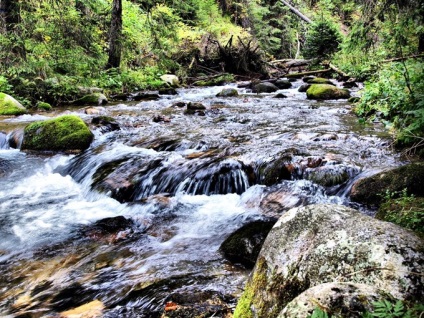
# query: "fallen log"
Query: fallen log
403,58
296,12
338,71
301,74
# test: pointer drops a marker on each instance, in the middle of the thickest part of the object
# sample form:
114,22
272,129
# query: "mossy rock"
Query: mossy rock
407,212
326,91
371,190
44,106
10,106
320,80
244,244
67,132
92,99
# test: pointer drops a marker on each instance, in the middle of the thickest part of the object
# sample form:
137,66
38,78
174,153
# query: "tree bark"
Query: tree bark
296,12
9,15
115,36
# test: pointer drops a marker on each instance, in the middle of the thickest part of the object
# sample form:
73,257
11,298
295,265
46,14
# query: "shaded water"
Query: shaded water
183,186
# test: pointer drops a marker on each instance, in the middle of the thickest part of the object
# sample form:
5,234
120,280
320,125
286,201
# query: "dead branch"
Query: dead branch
296,12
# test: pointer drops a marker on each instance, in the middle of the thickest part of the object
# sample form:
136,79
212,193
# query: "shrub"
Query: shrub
322,41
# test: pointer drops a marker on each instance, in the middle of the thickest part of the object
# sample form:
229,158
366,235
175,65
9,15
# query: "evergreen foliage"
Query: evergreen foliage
322,41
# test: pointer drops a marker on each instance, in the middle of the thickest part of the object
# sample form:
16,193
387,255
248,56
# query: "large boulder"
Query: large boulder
326,91
371,190
317,244
92,99
171,80
10,106
67,132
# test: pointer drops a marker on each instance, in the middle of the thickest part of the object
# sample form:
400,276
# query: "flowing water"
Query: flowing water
183,186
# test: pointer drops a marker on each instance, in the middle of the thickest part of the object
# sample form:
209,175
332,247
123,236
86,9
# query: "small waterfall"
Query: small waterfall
4,144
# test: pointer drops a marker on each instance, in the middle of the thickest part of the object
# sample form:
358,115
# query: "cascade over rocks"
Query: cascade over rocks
326,243
371,190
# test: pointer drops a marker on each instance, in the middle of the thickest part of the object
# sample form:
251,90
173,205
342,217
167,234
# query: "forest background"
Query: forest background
49,49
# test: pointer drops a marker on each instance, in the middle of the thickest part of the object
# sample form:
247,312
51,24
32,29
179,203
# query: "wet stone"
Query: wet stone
243,246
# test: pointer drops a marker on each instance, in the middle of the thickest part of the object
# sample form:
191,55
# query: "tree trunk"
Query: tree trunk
115,36
9,15
421,43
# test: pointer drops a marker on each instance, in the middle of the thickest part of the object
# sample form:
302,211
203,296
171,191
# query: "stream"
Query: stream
134,223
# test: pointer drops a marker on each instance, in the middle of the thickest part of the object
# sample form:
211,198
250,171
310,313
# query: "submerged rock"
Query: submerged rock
195,109
283,83
303,88
326,91
10,106
371,190
317,244
92,309
243,245
168,91
67,132
105,123
280,95
330,175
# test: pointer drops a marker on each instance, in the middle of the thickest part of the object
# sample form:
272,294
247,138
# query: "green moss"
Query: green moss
320,80
373,189
326,91
67,132
92,99
249,296
10,106
407,211
44,106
